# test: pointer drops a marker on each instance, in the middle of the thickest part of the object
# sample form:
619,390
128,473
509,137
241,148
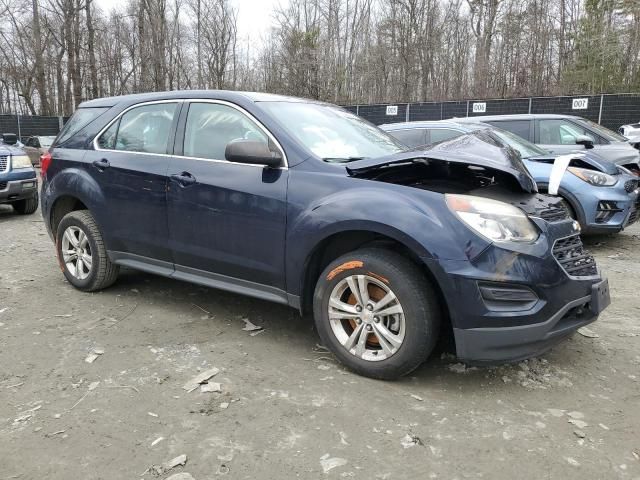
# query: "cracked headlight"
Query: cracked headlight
494,220
593,177
20,161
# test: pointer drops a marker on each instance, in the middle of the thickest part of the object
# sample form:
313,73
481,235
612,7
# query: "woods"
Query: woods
56,53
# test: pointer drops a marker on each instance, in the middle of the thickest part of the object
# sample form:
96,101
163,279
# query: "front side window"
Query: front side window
143,129
211,127
411,137
560,132
332,133
442,134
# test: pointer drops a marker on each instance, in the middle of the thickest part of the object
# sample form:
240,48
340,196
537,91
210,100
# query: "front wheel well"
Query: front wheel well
62,207
344,242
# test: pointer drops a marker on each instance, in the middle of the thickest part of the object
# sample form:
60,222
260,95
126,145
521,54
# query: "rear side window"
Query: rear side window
441,134
519,127
80,119
411,137
143,129
211,127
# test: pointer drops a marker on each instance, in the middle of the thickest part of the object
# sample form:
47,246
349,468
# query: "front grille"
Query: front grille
573,258
630,185
555,213
4,163
3,186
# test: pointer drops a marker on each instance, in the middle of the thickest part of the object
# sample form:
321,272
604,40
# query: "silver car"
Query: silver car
561,134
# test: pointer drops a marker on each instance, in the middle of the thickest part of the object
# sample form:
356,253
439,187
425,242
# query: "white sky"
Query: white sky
254,16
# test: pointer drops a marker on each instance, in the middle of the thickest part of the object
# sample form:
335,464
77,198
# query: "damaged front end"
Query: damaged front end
533,284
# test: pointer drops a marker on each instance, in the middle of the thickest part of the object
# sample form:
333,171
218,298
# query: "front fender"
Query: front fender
418,219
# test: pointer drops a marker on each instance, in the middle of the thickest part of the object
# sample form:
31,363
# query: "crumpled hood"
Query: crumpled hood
480,148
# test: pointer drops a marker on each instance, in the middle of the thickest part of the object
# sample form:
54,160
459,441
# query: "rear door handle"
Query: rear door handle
101,164
184,179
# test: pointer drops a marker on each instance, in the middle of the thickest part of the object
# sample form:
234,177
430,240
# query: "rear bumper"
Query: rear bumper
18,190
512,344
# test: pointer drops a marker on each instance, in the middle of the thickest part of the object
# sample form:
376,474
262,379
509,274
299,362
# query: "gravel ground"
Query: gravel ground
291,410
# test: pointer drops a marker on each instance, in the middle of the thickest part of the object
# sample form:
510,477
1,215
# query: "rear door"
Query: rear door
522,128
227,220
130,161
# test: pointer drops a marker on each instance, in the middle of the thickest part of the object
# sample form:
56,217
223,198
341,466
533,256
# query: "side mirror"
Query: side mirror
585,140
252,152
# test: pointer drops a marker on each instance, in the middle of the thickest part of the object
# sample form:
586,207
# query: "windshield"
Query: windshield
602,131
332,133
524,147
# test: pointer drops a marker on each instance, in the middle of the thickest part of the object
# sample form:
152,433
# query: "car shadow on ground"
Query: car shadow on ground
212,313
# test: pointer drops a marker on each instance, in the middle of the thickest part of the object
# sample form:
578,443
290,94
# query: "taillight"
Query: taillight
45,161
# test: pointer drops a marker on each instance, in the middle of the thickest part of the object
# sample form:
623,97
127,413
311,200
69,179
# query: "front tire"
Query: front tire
376,311
82,254
26,206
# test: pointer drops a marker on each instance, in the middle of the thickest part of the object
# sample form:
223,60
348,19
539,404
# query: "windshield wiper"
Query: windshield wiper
341,159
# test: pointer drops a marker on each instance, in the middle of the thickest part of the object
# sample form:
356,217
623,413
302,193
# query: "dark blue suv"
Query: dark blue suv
302,203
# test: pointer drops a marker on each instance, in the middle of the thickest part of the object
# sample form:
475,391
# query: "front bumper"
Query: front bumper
533,302
11,191
512,344
592,200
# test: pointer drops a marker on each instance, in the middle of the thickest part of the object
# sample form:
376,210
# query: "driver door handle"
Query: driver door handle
184,179
101,164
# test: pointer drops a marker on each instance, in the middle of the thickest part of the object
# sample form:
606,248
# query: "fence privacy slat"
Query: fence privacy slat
611,110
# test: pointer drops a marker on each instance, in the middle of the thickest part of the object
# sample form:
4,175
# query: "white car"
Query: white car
632,133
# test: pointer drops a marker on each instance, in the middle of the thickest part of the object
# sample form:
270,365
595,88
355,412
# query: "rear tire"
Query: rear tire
81,253
26,206
399,335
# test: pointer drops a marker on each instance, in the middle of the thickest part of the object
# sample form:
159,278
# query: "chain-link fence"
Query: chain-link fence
612,111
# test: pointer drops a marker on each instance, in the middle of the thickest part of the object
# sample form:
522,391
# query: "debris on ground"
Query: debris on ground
224,405
203,377
157,441
151,414
417,397
460,368
250,327
578,423
158,470
93,355
586,332
210,387
328,463
180,476
579,433
410,440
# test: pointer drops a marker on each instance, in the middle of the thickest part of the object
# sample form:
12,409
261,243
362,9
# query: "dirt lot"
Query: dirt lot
292,410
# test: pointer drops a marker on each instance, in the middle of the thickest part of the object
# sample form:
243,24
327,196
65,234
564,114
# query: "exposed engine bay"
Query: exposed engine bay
460,178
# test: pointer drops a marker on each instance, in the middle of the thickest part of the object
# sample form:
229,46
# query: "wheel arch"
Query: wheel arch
342,242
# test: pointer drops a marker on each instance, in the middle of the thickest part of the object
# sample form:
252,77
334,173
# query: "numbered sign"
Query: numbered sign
392,110
479,107
580,104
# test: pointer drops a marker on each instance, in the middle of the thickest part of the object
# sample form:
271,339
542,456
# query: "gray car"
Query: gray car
561,134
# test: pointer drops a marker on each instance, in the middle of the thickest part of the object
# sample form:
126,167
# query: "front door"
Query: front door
227,220
559,135
130,164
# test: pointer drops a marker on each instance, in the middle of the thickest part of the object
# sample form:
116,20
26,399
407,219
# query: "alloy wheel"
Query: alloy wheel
366,317
76,252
